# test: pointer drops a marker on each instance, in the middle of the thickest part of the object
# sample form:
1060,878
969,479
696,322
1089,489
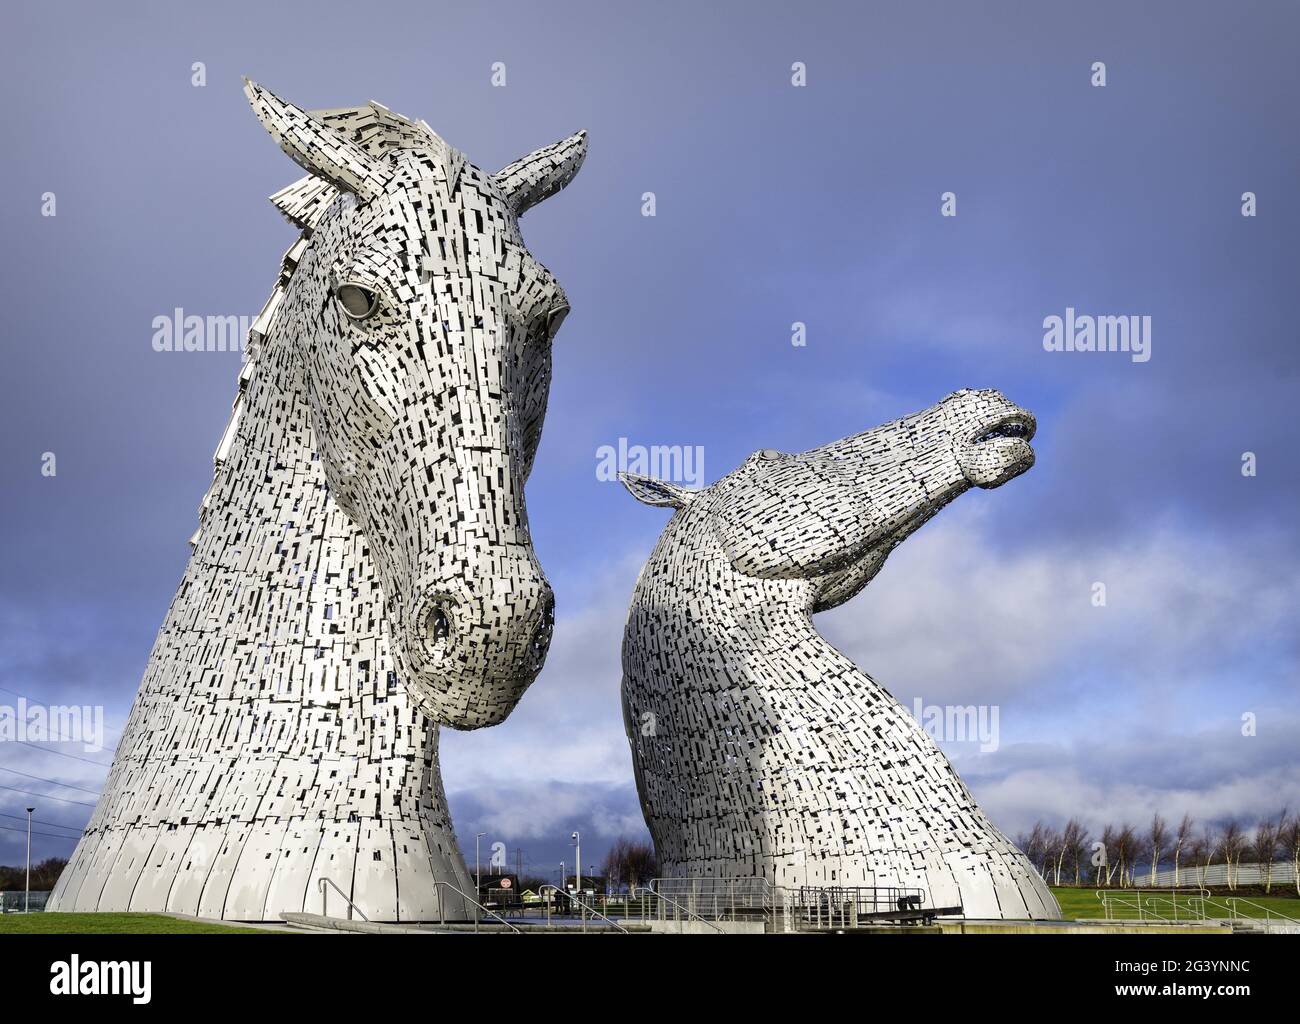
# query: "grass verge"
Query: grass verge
115,924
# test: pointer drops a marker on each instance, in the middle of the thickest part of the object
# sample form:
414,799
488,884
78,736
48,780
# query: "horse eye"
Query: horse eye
357,302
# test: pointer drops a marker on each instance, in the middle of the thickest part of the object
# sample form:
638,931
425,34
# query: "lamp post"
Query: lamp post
478,868
577,863
27,898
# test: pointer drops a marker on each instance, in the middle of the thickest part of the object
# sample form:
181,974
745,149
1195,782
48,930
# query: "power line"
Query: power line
47,796
60,753
52,782
37,821
47,835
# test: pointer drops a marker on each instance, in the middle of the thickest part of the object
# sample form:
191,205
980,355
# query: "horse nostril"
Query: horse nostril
542,638
437,626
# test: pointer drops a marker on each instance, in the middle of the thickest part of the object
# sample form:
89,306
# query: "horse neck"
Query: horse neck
764,630
276,637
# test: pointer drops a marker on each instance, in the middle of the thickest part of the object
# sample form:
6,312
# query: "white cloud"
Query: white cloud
954,617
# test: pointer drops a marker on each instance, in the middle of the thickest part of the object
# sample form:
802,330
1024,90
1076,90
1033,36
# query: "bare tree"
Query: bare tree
1197,854
1289,839
1207,845
1265,842
1032,844
1076,843
1110,849
1157,836
1233,843
1064,849
1181,839
1125,849
1052,846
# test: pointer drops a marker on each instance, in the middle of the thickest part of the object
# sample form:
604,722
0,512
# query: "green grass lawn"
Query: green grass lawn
114,924
1083,903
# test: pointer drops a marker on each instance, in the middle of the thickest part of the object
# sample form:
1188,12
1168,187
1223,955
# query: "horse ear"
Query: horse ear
649,491
542,173
314,147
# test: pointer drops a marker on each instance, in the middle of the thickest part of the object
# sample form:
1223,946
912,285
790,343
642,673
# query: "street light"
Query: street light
577,865
27,898
478,867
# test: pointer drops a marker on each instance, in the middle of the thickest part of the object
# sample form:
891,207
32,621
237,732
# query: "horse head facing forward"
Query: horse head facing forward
422,326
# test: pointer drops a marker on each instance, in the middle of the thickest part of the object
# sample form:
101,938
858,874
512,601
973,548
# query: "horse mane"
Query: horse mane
381,132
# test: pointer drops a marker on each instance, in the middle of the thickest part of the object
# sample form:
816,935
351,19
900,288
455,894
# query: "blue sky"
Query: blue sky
775,204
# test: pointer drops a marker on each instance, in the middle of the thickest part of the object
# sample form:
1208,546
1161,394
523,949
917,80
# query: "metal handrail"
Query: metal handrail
442,914
1201,896
687,910
781,906
1107,898
1197,906
574,899
722,896
1269,913
324,899
1172,900
866,898
1144,904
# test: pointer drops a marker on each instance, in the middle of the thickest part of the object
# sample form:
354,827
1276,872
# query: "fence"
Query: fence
719,897
784,908
1215,874
12,902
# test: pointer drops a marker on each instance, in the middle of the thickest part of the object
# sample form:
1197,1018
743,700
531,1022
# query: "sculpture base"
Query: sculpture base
237,871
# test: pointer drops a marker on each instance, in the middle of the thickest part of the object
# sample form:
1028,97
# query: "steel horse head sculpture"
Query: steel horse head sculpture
363,569
423,326
761,751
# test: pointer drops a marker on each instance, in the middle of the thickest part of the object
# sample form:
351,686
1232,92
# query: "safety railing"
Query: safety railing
1192,908
324,899
847,906
1163,908
442,915
586,908
1116,907
1268,913
719,898
680,909
787,909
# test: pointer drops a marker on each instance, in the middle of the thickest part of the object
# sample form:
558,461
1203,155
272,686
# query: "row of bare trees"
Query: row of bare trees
1072,856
